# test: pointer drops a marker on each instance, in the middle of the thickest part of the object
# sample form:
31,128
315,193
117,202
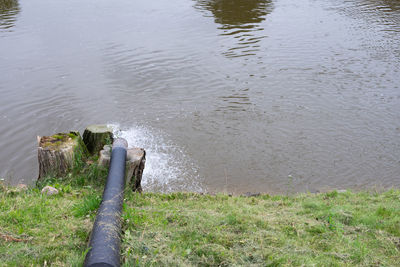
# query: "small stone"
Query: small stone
49,190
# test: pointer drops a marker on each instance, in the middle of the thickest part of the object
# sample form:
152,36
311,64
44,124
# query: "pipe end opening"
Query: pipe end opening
120,142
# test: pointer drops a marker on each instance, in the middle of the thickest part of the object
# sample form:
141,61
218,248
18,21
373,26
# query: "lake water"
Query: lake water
225,95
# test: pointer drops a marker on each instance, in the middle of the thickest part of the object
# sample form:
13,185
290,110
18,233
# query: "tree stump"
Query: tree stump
135,161
96,136
58,153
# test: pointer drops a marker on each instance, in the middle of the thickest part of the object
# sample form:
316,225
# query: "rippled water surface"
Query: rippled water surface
225,95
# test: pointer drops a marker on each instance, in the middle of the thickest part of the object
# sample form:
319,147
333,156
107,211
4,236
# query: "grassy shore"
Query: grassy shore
187,229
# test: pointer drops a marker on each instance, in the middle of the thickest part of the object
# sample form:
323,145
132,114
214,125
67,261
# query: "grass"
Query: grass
331,229
45,229
187,229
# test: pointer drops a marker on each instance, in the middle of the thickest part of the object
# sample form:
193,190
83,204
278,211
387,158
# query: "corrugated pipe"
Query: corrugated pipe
104,245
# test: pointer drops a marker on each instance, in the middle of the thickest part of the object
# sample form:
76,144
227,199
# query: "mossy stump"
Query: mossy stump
57,153
96,136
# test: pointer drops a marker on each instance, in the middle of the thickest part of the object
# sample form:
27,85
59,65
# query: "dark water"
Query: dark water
237,96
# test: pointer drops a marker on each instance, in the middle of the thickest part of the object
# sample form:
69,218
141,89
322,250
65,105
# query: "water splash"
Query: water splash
167,168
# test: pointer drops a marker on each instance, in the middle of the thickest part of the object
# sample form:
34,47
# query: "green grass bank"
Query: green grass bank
187,229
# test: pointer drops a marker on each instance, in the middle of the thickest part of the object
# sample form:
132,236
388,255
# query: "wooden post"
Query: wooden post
57,153
96,136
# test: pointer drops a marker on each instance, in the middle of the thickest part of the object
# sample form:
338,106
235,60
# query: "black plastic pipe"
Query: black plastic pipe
104,245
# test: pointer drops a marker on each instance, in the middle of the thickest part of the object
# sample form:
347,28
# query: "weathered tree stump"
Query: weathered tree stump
58,153
96,136
135,161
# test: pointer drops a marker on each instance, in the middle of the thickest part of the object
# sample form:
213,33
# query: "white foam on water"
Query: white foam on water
167,167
